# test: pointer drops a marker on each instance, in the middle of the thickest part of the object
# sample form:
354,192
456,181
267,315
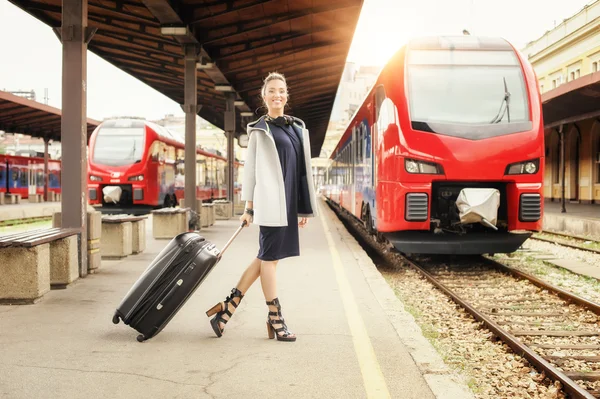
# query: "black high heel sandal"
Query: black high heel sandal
273,332
222,308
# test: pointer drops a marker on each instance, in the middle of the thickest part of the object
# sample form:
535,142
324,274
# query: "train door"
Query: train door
353,147
31,178
3,175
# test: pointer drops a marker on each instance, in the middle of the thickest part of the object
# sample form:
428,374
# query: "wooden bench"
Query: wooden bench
33,262
168,222
122,235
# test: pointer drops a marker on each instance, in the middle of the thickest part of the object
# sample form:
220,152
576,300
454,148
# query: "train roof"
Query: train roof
479,43
162,132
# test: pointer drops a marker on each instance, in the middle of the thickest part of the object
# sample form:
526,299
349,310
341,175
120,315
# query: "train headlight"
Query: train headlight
530,167
136,178
421,167
523,168
95,178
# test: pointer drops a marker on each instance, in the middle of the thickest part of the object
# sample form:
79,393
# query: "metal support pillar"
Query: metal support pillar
46,174
191,110
230,132
563,167
75,35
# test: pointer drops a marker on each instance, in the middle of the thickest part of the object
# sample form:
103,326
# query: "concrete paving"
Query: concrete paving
355,340
577,266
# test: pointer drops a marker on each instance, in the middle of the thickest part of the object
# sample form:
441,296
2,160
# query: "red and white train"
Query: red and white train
137,164
446,153
25,175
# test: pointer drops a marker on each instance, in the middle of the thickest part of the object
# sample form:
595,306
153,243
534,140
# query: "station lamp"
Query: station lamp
222,87
246,114
174,30
204,64
239,103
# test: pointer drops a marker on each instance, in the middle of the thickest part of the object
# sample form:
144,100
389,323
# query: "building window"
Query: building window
595,66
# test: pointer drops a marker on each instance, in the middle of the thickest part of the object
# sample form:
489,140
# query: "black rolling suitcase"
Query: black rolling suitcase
168,282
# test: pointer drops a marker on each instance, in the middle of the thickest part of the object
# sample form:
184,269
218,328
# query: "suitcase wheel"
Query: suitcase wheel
115,319
141,338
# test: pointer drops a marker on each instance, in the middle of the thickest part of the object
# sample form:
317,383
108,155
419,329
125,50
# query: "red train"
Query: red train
25,175
133,163
446,153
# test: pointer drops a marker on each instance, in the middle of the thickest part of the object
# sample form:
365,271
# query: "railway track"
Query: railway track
528,315
556,331
562,240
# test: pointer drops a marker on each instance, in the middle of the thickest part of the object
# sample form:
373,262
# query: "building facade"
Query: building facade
354,86
567,63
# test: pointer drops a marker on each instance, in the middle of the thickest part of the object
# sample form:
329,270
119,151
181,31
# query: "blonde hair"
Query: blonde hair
272,76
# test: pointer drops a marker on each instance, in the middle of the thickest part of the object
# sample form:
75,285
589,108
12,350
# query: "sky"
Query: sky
31,56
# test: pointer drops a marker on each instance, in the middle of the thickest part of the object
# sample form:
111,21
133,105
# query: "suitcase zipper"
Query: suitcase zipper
169,294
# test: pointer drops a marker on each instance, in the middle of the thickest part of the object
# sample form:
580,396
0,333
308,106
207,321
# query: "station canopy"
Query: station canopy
240,42
20,115
573,101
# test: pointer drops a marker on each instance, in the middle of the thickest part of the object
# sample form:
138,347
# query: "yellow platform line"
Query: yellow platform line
373,379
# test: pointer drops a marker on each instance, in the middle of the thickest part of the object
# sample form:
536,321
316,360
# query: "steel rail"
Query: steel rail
556,233
564,244
569,386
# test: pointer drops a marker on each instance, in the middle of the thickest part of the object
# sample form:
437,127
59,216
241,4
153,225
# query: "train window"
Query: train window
154,151
23,178
170,153
2,177
118,146
40,178
465,93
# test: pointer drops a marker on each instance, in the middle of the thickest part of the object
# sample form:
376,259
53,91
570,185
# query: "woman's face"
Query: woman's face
275,96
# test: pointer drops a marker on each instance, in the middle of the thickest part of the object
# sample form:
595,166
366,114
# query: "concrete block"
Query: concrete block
12,199
64,262
204,216
138,238
167,223
116,240
223,210
35,198
94,255
25,273
94,225
210,213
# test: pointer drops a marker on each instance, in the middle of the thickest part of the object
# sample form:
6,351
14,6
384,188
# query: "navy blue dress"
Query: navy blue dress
282,242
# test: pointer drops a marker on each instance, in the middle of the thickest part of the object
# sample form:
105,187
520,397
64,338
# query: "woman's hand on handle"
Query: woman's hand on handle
246,217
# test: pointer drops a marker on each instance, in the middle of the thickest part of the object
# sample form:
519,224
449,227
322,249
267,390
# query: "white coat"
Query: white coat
263,178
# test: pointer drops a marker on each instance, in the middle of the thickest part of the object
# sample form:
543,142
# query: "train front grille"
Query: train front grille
530,208
416,207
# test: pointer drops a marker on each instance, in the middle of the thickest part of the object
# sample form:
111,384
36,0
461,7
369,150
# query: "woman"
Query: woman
278,190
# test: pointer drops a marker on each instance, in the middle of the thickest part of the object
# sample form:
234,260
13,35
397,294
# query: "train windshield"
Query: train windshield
119,146
468,94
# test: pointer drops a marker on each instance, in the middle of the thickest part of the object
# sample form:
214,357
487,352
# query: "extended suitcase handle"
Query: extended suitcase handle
232,238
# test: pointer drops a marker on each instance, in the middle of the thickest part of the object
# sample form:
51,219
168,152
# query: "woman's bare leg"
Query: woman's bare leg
246,280
249,276
268,280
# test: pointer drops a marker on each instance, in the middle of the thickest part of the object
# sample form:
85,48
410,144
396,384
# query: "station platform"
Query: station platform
580,219
27,210
355,339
